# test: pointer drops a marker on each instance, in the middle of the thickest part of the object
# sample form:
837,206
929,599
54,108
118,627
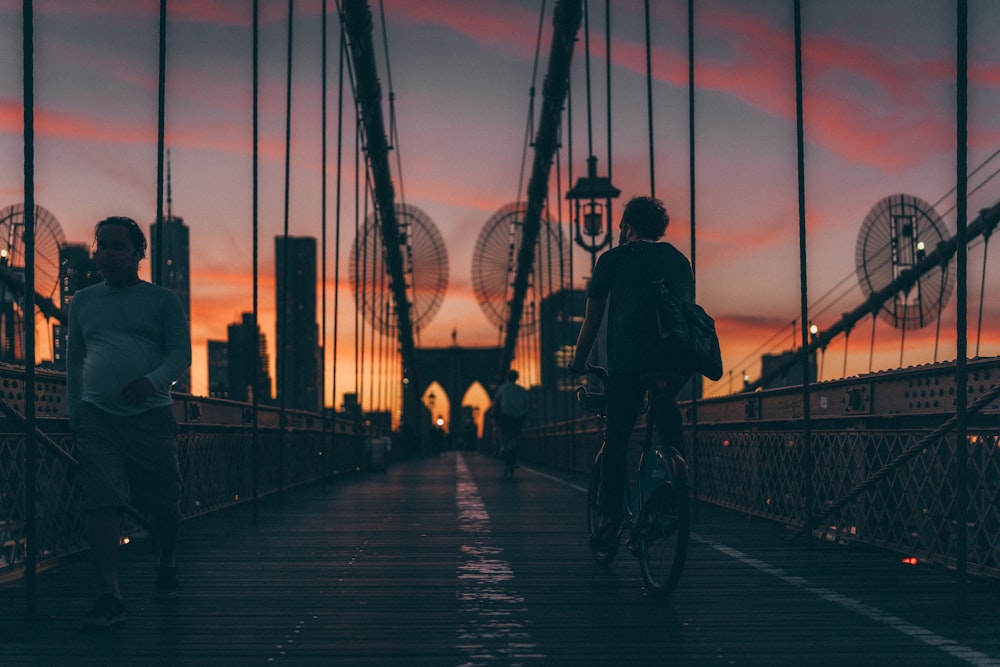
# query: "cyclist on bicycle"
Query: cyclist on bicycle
508,408
636,360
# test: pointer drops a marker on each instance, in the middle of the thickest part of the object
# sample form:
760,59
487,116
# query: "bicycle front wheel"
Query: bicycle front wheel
664,529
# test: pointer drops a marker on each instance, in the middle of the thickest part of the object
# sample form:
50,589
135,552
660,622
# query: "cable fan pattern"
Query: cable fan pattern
425,263
897,233
49,239
494,263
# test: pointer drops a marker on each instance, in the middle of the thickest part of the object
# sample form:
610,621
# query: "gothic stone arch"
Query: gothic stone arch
456,369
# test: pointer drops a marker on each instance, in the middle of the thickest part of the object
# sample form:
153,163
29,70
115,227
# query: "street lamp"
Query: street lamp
591,195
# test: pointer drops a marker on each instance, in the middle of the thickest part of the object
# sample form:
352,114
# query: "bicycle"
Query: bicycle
508,451
657,518
508,447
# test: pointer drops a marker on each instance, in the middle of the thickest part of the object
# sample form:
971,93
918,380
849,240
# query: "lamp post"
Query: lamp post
592,195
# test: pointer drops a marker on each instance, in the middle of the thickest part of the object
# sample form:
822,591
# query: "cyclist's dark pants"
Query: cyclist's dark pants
625,392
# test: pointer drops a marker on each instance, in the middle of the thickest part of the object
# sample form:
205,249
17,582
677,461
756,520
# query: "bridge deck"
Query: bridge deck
442,562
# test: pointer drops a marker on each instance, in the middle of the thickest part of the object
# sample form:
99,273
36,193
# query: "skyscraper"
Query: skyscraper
76,271
298,362
170,264
218,368
248,367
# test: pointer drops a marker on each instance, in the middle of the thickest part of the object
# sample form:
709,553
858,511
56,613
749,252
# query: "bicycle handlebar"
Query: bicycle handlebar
593,401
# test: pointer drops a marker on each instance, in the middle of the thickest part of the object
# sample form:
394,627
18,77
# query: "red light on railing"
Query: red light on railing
910,561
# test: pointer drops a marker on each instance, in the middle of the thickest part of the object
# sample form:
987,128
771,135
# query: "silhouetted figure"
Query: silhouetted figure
621,277
128,342
509,408
470,434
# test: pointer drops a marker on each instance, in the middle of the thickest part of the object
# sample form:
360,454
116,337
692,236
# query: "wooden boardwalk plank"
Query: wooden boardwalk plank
442,562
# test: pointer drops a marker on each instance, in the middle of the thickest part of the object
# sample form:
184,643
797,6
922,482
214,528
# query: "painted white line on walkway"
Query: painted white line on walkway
944,644
493,627
554,479
969,655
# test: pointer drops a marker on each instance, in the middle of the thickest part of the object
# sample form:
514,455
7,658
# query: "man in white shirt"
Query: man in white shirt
128,342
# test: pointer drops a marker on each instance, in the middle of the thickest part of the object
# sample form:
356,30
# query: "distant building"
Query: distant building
298,362
247,363
792,376
218,368
351,407
77,270
171,269
561,318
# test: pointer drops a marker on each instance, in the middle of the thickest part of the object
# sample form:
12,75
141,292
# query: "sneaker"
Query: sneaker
166,583
107,610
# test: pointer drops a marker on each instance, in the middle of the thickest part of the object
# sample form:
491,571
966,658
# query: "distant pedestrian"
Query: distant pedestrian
128,342
509,408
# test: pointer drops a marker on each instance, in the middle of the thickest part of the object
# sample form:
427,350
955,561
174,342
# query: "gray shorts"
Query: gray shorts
127,460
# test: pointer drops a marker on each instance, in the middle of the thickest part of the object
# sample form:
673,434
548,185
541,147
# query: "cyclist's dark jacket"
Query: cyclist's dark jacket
626,273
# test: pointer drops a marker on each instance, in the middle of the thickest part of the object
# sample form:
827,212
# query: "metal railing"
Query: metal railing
882,479
216,450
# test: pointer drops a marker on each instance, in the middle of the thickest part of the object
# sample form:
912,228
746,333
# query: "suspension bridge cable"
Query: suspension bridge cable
530,124
586,61
843,295
607,97
285,346
566,23
358,241
28,311
697,383
982,294
159,263
807,462
393,129
363,304
395,147
323,242
526,144
338,217
255,383
962,250
649,102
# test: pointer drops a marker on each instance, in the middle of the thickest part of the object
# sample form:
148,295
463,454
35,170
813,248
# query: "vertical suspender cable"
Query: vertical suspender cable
807,459
696,383
607,97
285,345
982,291
649,97
255,386
322,339
158,254
336,245
961,255
358,241
28,311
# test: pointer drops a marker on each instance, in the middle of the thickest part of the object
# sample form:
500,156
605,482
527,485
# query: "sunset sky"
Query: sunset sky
879,90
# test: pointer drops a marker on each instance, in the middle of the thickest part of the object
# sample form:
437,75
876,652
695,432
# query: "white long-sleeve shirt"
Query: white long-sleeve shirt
119,334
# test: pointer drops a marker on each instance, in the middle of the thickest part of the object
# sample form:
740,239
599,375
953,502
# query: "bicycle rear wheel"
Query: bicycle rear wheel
664,528
605,552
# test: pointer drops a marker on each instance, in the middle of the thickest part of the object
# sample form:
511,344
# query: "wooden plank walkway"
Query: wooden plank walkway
442,562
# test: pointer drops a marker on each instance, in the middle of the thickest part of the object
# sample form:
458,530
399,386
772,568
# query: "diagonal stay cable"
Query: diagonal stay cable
928,440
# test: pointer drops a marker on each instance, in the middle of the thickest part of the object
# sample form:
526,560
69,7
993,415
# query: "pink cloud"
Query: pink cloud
510,27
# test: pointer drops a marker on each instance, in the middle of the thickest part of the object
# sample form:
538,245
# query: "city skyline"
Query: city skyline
879,119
